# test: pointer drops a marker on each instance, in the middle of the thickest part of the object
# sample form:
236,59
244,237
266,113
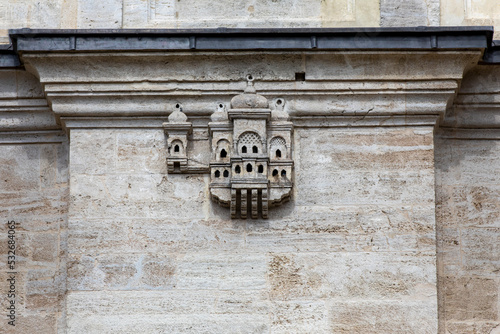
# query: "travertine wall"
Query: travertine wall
117,14
149,251
34,193
127,247
468,207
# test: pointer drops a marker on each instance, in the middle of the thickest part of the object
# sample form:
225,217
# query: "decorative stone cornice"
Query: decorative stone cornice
25,116
336,84
337,77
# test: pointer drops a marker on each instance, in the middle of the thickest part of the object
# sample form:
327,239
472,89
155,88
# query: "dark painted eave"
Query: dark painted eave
8,57
492,54
224,39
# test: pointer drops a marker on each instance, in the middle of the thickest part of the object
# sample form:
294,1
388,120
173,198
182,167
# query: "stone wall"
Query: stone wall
468,234
468,206
110,242
127,14
149,251
34,193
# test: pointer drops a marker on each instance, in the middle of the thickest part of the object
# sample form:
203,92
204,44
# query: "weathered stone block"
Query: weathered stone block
382,317
300,317
470,298
92,151
121,272
160,236
221,271
409,13
19,168
96,14
351,275
142,151
175,311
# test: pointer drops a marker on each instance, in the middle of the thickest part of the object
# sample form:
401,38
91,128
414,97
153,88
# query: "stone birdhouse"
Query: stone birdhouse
251,166
178,129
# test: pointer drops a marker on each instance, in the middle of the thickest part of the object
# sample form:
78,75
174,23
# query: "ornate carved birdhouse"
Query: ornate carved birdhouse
251,166
177,129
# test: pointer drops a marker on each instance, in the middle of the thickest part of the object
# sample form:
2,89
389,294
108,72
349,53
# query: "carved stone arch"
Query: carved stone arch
248,141
277,148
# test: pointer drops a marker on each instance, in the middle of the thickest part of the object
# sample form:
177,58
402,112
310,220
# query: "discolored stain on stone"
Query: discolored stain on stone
288,279
158,273
470,298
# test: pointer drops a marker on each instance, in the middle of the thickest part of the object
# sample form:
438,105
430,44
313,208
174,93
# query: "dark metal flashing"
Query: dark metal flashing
492,54
8,57
224,39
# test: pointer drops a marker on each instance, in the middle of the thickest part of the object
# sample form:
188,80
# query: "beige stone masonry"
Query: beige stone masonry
337,84
467,206
385,219
134,14
354,250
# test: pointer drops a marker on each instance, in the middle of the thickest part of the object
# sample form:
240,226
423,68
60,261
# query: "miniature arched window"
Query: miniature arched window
249,168
249,139
237,169
260,169
275,172
283,173
222,149
226,173
178,148
277,147
217,173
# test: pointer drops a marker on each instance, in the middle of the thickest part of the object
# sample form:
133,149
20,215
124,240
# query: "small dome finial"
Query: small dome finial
220,114
279,113
177,116
250,89
249,99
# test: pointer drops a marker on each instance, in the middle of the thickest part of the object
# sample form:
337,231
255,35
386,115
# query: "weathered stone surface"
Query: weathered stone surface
33,193
468,231
149,230
127,247
456,12
410,13
381,317
470,298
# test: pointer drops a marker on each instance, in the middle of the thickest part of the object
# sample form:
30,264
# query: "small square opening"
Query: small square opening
300,76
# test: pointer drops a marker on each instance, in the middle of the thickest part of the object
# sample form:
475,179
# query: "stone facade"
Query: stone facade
383,214
133,14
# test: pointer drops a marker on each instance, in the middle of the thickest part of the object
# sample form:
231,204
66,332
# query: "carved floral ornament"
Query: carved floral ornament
251,154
